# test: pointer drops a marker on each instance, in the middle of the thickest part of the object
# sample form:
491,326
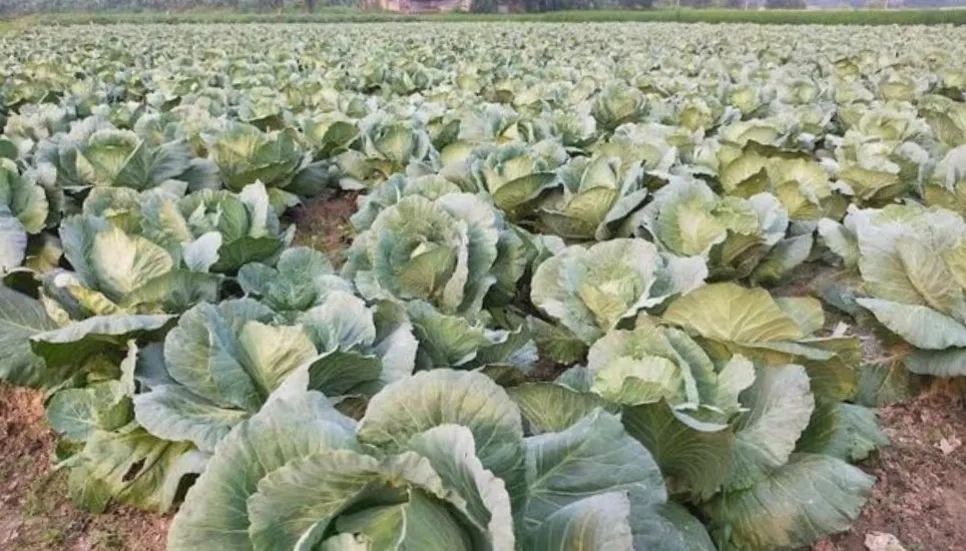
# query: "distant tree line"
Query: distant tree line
38,6
10,7
484,6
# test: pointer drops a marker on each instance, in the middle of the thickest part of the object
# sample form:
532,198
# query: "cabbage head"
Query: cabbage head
912,260
618,104
245,155
388,146
455,473
444,256
121,158
443,250
590,290
593,200
301,279
24,210
735,235
223,362
516,174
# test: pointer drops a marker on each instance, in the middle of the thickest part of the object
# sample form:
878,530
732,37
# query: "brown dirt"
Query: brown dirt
35,512
920,495
323,224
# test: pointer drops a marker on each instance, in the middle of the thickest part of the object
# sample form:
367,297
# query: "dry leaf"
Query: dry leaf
949,445
881,541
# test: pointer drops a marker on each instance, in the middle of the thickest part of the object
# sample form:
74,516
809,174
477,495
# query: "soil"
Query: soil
323,224
920,494
35,512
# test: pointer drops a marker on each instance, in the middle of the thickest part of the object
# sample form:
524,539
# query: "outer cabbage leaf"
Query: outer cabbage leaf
22,317
811,497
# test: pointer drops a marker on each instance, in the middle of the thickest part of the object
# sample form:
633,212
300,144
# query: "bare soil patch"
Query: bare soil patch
920,494
323,224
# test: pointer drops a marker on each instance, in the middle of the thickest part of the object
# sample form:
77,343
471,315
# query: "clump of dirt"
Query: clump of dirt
323,224
920,494
547,369
35,512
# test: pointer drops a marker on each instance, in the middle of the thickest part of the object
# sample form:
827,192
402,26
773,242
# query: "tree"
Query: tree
639,4
483,6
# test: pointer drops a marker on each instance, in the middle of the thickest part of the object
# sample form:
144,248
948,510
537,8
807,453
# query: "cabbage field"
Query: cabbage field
607,286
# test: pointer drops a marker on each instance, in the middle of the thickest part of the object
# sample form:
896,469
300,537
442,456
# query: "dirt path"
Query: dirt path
323,224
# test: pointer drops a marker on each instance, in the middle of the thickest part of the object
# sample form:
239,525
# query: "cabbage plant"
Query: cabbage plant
618,104
876,171
33,124
302,278
121,158
737,236
457,472
115,272
24,210
441,256
388,146
739,404
594,198
515,174
246,155
223,362
443,250
209,230
911,260
108,456
590,290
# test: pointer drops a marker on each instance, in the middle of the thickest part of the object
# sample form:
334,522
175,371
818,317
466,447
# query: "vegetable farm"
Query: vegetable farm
606,286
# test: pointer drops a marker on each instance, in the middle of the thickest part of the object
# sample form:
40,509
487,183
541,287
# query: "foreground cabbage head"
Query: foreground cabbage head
455,473
340,348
